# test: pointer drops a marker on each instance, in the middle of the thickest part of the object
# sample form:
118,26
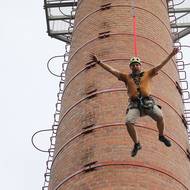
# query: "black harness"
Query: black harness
137,79
140,102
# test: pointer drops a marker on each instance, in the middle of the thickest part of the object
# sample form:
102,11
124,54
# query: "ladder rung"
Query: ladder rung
61,17
65,4
60,32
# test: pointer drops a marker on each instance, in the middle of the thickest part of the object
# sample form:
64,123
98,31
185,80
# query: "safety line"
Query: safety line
131,164
107,126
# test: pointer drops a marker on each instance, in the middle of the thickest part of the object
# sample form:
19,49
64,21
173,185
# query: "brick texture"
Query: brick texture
112,143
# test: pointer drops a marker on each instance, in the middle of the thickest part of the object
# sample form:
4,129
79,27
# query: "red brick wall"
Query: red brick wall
156,166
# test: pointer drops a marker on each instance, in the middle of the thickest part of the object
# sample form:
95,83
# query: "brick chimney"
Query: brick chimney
92,145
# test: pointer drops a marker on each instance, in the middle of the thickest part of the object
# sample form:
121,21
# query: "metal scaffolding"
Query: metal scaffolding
60,16
180,21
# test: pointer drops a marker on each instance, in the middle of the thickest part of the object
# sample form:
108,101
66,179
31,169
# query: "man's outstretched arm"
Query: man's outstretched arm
174,52
106,67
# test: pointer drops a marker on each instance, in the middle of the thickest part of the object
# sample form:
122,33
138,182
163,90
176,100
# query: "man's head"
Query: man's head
135,64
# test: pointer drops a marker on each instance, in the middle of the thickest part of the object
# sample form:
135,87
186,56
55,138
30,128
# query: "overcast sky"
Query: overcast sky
28,92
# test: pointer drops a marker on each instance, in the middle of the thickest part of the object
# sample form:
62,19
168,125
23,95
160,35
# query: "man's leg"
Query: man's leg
157,115
131,117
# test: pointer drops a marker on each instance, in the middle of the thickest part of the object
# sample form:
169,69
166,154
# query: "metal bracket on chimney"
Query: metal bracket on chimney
90,64
105,6
90,92
104,34
90,166
88,129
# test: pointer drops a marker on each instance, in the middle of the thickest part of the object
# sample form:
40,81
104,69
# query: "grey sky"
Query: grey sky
28,92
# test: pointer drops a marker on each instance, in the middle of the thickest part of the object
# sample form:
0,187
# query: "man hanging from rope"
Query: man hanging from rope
141,102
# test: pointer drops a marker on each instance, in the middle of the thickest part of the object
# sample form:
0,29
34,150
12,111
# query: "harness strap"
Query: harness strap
142,103
137,80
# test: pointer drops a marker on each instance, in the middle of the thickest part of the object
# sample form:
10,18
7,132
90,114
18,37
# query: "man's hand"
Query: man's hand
105,66
175,51
94,58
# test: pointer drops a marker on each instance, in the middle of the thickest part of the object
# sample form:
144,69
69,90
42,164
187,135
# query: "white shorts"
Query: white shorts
132,114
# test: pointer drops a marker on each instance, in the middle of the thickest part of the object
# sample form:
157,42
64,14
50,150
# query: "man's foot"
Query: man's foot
163,139
137,147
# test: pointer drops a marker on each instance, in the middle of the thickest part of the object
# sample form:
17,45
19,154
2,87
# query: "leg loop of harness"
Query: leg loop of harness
142,103
148,102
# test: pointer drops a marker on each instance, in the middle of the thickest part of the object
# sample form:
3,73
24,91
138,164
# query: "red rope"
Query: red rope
134,27
135,36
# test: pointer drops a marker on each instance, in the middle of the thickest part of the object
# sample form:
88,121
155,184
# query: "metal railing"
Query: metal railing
60,22
180,19
60,16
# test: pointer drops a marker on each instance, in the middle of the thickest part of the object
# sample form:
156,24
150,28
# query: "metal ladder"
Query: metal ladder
177,31
60,22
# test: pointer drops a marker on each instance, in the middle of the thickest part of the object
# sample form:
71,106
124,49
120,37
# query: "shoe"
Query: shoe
163,139
137,147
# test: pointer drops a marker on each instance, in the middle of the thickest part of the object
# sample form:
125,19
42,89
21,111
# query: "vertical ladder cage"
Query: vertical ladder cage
180,27
60,15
